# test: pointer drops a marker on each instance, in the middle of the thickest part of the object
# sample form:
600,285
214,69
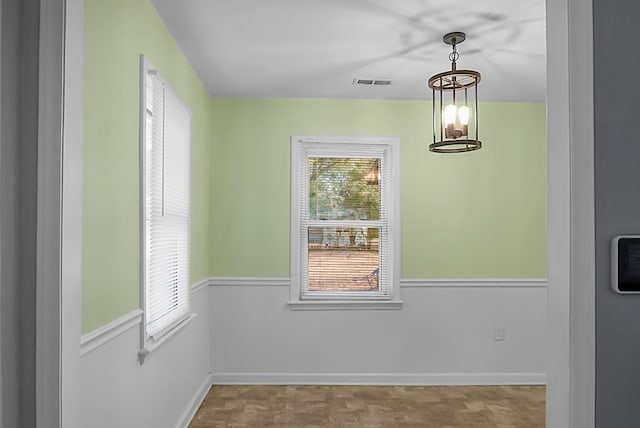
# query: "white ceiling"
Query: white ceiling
315,48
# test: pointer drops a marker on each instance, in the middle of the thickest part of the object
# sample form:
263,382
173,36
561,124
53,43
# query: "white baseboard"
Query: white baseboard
195,402
379,378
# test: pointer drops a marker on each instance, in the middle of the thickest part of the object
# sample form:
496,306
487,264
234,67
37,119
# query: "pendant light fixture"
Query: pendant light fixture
455,105
372,177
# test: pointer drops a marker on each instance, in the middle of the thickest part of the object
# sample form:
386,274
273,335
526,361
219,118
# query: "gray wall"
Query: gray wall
617,199
18,167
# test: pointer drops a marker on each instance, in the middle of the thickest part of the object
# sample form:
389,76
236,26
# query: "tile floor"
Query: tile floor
298,406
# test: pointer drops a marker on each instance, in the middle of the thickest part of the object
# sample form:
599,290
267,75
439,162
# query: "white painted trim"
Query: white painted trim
142,268
2,402
115,328
379,378
102,335
71,208
218,281
408,283
150,346
570,219
49,221
195,402
344,305
1,193
199,286
558,216
475,283
179,311
582,291
389,149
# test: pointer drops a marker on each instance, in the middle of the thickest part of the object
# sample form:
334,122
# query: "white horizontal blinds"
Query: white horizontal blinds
344,222
303,198
167,207
384,238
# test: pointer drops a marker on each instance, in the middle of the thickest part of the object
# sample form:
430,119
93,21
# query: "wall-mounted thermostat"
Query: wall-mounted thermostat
625,264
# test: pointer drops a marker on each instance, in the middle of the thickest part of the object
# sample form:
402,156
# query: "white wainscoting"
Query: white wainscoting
164,392
246,333
444,334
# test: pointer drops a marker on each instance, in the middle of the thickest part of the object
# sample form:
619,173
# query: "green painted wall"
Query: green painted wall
116,33
473,215
476,215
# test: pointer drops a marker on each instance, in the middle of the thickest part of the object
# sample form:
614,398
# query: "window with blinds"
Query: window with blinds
166,171
343,210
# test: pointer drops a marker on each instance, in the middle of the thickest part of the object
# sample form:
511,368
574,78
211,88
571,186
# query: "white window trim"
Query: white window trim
148,344
336,301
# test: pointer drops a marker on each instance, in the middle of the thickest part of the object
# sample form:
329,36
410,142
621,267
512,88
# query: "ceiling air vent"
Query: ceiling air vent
372,82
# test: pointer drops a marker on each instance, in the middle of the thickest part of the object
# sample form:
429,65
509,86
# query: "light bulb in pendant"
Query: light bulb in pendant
449,114
464,113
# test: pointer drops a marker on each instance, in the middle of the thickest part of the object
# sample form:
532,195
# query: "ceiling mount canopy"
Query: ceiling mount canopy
455,104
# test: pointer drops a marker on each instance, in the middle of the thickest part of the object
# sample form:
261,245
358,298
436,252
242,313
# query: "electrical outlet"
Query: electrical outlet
498,334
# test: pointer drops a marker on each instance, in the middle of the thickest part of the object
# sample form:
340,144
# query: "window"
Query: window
165,151
345,234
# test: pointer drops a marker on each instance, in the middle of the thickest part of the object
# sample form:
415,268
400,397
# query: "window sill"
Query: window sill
151,346
344,305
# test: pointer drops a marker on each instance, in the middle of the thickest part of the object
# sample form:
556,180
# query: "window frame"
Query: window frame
301,148
149,342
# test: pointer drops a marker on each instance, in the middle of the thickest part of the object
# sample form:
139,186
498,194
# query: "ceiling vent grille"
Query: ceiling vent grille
372,82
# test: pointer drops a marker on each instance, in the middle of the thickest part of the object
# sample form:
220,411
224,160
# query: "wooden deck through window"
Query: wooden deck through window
339,269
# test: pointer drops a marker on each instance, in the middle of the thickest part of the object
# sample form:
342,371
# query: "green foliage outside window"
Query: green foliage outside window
341,189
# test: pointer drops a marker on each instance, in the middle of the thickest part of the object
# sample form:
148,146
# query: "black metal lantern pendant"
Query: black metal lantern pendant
455,105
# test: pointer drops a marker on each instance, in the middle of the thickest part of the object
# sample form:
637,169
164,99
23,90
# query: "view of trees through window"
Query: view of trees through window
344,206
